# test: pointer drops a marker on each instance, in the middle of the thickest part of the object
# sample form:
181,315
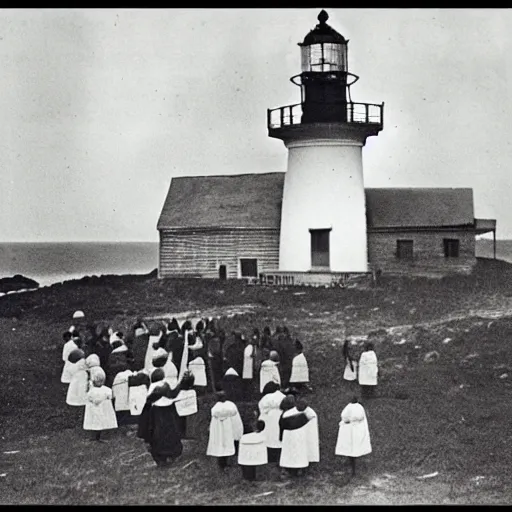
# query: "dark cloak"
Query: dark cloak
291,423
158,426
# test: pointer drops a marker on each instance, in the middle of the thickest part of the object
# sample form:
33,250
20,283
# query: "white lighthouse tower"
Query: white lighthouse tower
323,219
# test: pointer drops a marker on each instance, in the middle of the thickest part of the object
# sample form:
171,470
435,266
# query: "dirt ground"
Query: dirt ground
439,424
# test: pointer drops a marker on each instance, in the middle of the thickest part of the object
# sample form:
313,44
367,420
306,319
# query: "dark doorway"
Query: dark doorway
249,267
320,248
223,272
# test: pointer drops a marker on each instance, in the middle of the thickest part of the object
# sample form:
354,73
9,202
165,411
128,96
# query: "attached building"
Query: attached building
229,227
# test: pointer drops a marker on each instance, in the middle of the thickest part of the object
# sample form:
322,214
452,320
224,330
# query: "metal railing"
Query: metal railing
289,115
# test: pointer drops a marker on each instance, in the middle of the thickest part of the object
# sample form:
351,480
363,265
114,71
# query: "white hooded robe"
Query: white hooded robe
368,368
353,434
221,441
248,368
252,450
99,412
294,452
300,369
67,373
269,372
270,412
79,384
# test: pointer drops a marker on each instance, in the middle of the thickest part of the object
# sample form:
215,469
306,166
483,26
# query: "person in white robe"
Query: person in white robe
69,346
77,390
99,412
294,438
248,368
197,364
171,372
269,371
368,370
120,393
270,411
299,377
252,451
138,385
350,369
313,444
91,361
225,427
353,434
153,342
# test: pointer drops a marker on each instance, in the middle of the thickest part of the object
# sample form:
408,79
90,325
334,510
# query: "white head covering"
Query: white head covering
92,361
98,376
160,353
78,314
232,371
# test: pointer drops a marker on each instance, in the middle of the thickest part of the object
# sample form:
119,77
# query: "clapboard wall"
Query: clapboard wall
201,252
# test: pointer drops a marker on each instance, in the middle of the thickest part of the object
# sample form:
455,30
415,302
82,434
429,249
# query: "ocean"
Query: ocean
50,263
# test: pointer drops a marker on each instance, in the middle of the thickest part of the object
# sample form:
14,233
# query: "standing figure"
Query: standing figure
299,377
196,364
313,445
120,393
155,335
138,384
350,368
69,346
225,428
158,421
368,370
294,438
270,411
232,386
186,403
252,451
235,353
353,434
270,370
99,412
77,390
248,368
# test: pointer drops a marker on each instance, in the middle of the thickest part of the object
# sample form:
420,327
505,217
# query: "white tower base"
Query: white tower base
324,190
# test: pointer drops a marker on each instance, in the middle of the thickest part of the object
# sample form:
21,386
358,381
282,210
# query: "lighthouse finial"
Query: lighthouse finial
323,17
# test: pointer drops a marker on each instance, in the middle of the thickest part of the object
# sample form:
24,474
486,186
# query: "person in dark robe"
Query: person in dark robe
235,353
175,344
158,421
232,386
284,345
266,343
137,341
215,363
102,349
221,333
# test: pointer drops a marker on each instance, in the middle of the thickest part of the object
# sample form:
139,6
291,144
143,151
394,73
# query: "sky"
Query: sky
100,108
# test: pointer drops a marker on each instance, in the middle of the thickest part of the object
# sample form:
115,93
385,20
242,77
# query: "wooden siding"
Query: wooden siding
199,253
428,252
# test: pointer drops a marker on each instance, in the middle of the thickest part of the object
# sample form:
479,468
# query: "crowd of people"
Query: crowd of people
152,378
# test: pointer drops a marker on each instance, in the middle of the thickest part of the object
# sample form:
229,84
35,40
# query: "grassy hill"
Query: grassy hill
449,416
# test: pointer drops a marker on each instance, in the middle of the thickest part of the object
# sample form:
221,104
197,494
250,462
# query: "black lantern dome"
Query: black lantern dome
323,33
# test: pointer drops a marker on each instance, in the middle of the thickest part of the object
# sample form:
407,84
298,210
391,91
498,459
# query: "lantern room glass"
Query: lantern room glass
324,57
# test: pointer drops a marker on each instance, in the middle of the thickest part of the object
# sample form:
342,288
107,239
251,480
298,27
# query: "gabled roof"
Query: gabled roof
419,207
237,201
254,201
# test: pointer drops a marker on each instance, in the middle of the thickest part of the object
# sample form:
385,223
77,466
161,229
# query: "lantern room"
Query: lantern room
324,49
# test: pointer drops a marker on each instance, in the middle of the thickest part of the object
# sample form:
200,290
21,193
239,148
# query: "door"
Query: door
320,248
249,267
223,272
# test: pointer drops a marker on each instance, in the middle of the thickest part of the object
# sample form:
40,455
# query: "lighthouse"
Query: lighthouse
323,216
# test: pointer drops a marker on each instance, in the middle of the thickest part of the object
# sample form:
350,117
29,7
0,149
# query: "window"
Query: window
451,247
249,267
320,247
404,249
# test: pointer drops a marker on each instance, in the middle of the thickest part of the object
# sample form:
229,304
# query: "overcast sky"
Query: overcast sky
100,108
